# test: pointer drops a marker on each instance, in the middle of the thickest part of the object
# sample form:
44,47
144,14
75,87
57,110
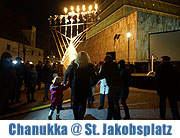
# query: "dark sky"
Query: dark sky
36,12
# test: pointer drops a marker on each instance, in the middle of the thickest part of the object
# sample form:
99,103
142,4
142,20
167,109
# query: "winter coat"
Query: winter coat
20,72
47,75
57,93
69,74
8,76
31,78
82,81
125,76
167,79
39,70
111,73
104,89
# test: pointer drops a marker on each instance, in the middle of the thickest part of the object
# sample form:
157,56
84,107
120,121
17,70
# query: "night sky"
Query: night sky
36,12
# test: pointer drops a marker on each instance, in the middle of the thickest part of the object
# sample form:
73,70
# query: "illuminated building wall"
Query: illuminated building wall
140,17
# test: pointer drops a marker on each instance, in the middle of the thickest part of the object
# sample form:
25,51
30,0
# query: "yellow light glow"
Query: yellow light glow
65,10
90,7
128,34
96,6
69,55
72,8
78,9
84,8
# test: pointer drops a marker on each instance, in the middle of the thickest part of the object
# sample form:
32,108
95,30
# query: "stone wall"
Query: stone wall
140,24
151,23
103,42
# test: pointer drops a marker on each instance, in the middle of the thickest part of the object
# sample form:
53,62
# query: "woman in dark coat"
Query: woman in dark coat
83,74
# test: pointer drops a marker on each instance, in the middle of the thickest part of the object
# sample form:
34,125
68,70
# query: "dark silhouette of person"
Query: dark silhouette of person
39,69
125,76
7,81
20,73
110,71
47,79
83,74
167,80
32,80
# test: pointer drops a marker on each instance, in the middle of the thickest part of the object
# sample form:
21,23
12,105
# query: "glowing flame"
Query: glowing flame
72,8
84,8
65,10
90,7
96,7
78,9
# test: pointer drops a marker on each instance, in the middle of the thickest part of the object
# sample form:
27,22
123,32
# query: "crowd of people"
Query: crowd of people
82,77
14,74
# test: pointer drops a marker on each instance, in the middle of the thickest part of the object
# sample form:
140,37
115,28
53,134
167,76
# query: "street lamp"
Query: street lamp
128,36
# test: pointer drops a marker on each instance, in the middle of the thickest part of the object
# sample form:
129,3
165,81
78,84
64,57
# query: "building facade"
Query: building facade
26,52
139,17
18,37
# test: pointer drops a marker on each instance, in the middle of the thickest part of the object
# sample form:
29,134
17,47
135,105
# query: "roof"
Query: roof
11,26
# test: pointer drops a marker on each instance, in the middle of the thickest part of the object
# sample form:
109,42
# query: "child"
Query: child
31,83
56,90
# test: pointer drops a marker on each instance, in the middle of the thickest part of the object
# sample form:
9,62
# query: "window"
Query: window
32,53
39,53
8,47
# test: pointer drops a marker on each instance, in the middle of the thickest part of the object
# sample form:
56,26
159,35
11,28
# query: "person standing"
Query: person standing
125,76
32,80
104,89
167,83
111,73
47,78
7,81
83,74
20,73
39,69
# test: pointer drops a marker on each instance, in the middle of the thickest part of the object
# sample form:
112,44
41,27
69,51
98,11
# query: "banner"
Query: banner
84,128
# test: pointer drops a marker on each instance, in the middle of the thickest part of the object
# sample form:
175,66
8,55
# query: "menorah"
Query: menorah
70,29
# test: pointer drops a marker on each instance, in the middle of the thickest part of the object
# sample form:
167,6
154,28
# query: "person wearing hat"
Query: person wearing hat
167,80
7,80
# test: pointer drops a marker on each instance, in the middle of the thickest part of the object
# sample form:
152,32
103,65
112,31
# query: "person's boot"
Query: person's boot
127,117
57,117
50,115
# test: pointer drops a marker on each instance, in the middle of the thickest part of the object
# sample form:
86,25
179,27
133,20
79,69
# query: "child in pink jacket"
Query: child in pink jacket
56,90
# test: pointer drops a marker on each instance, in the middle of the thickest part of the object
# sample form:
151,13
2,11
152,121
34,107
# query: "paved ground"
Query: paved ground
143,105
